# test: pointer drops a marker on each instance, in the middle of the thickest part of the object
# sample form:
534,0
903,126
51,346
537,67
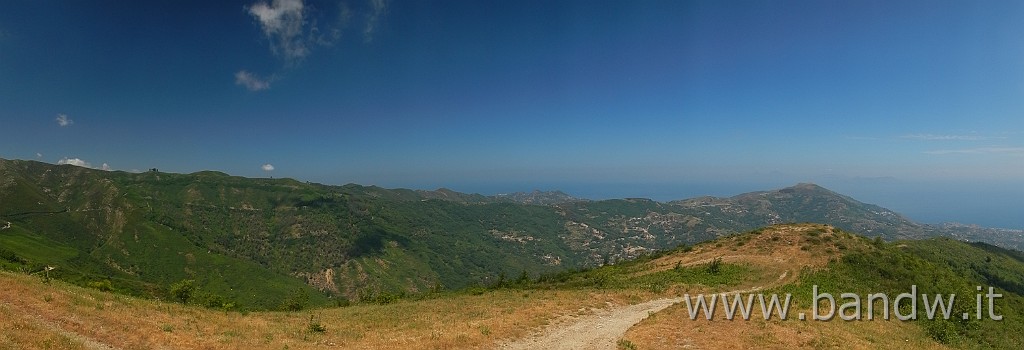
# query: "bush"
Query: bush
715,266
878,242
315,326
104,285
295,301
523,280
183,290
385,298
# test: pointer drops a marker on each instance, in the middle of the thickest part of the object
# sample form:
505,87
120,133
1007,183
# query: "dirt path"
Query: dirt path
598,331
603,329
53,327
86,342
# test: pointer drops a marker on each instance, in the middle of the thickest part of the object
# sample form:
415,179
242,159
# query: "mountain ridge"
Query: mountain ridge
144,232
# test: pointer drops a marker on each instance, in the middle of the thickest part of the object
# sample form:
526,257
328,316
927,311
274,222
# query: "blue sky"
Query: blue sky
661,99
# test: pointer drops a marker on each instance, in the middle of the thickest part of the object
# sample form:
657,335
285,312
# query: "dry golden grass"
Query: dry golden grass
673,329
34,315
784,249
18,331
778,247
462,321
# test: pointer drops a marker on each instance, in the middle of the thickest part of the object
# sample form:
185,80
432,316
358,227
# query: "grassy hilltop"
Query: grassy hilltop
783,258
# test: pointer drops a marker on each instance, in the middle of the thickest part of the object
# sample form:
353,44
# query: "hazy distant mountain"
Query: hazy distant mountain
259,241
807,203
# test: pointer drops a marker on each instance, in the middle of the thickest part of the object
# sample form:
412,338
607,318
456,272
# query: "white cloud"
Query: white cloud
39,155
377,9
931,137
282,22
267,167
251,81
982,150
75,162
82,163
294,30
63,120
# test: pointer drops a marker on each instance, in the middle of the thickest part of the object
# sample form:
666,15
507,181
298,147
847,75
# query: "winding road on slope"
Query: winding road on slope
603,329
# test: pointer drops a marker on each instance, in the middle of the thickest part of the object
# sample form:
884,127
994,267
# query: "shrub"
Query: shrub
183,290
385,298
476,290
314,326
295,301
715,266
102,285
523,279
878,242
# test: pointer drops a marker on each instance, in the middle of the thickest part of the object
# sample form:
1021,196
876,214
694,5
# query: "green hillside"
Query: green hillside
281,243
255,242
935,266
787,258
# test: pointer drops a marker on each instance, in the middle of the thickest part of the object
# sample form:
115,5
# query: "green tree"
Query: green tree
183,290
295,301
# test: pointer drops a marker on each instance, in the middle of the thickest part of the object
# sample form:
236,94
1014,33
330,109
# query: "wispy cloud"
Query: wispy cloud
39,155
982,150
377,10
282,22
82,163
294,30
861,138
968,137
251,81
63,120
344,17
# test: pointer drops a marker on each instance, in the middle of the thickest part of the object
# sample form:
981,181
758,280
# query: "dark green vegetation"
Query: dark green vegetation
234,242
935,266
714,274
216,240
635,274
